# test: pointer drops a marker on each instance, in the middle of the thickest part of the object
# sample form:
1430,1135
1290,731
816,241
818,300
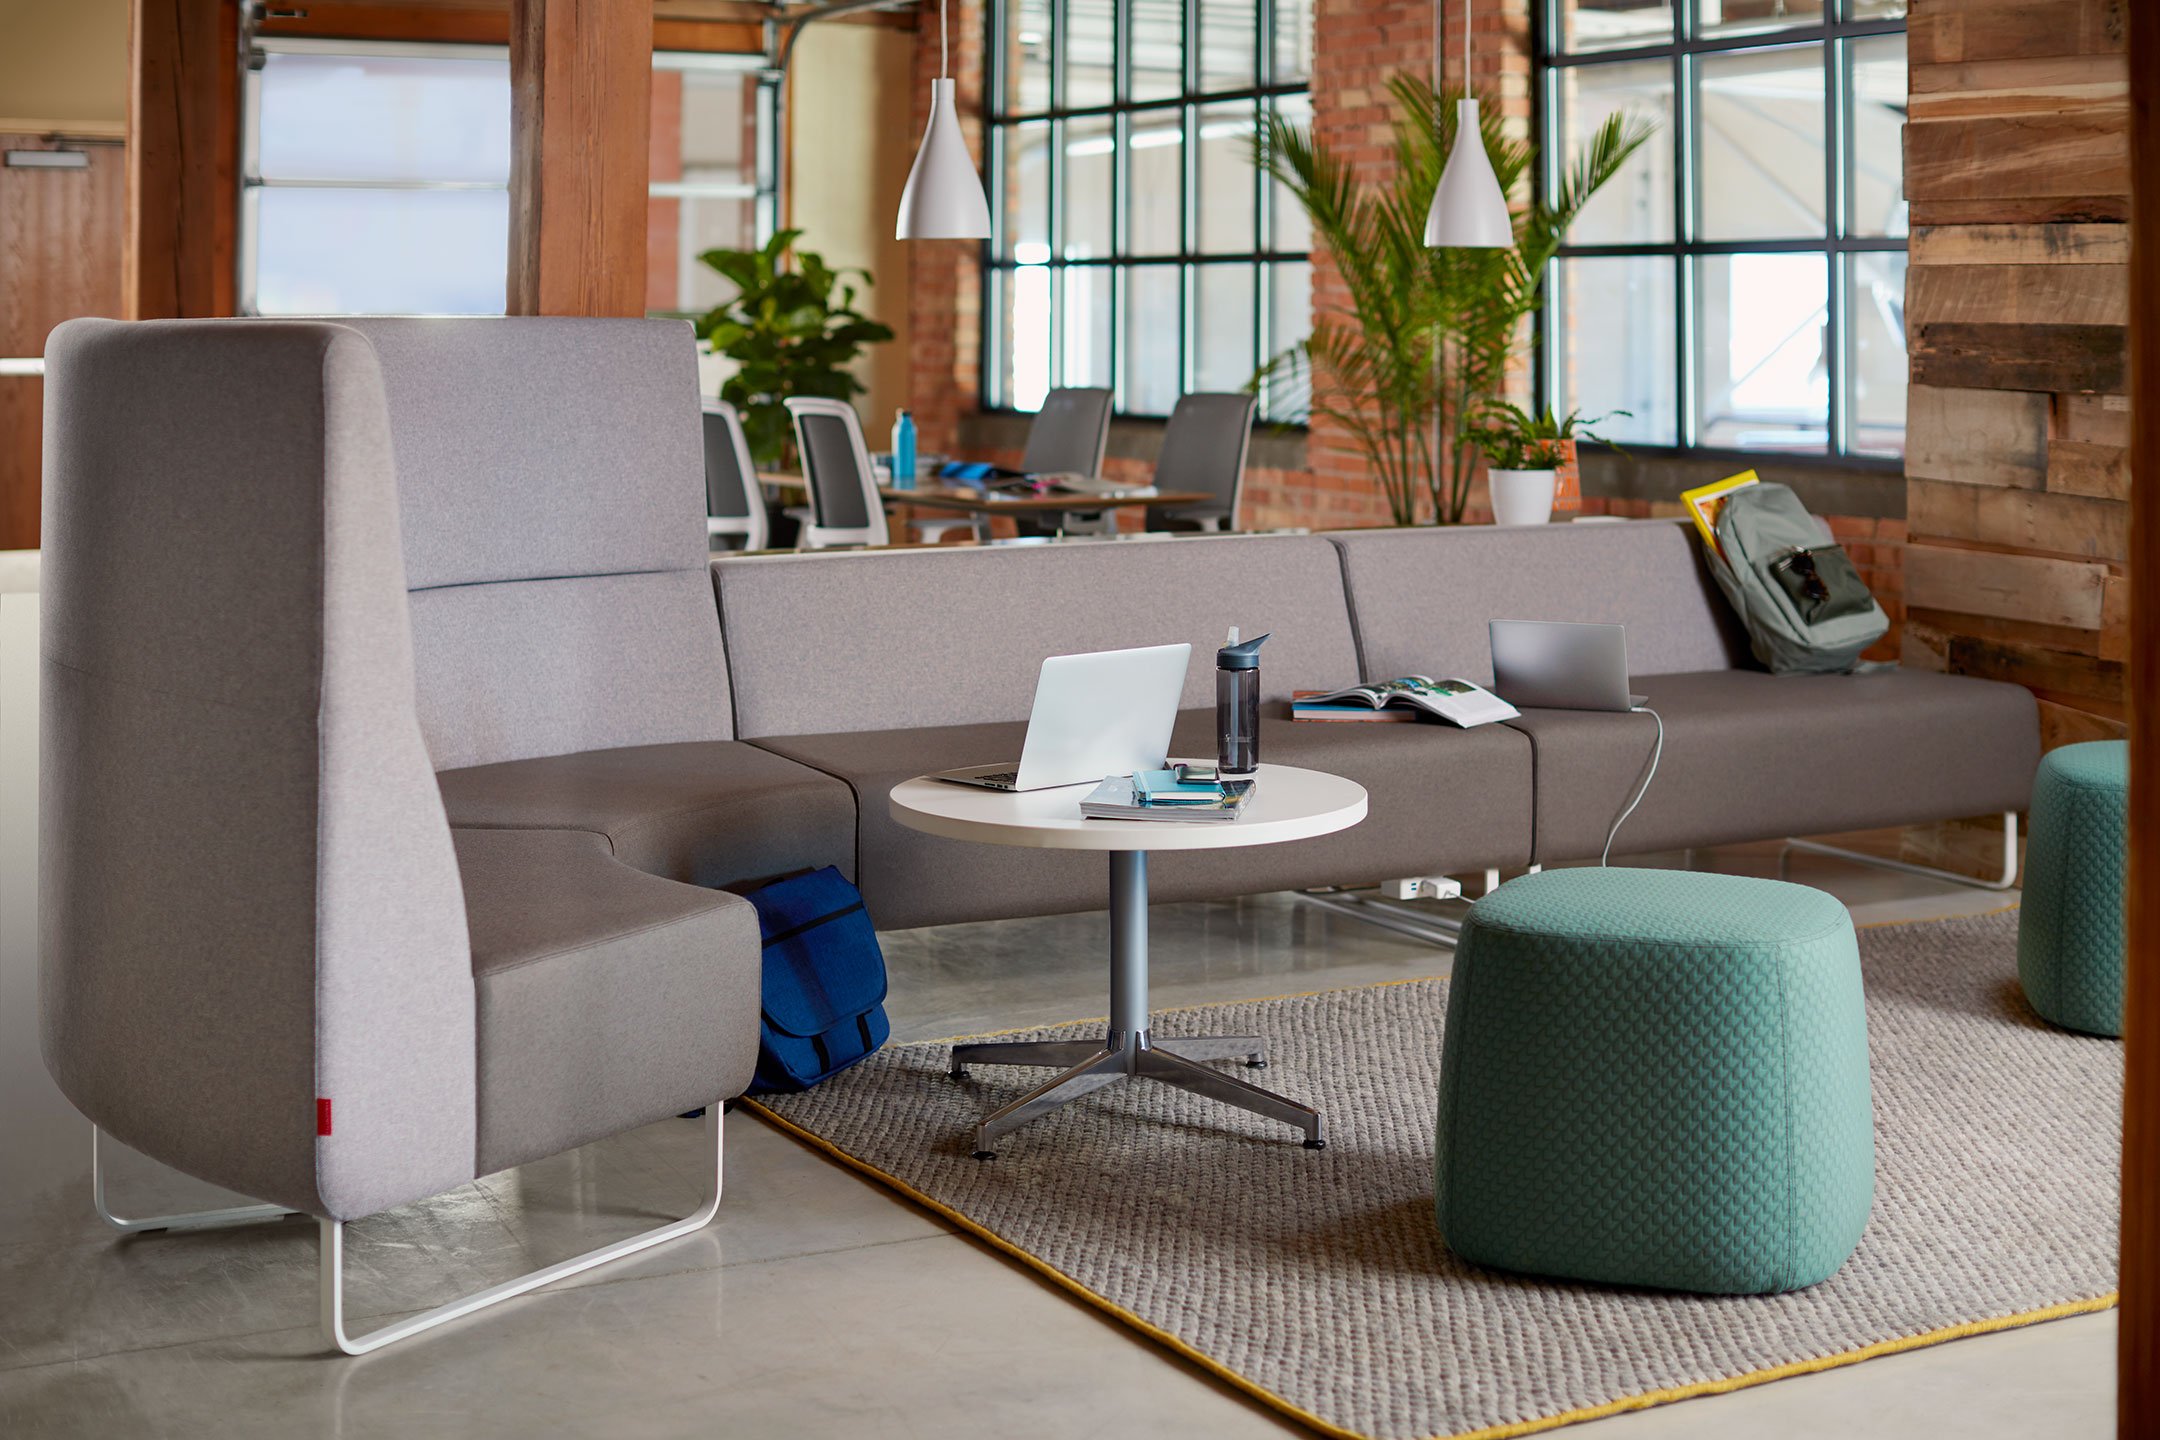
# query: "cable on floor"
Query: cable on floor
1641,790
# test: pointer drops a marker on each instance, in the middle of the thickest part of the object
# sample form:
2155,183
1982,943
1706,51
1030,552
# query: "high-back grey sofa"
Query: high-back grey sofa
294,569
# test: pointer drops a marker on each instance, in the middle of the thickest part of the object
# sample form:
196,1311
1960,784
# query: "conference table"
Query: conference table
790,489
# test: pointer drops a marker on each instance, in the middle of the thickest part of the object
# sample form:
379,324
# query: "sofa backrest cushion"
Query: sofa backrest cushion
880,641
1421,599
250,902
551,476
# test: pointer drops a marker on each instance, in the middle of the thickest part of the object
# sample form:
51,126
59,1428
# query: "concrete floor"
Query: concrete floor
817,1304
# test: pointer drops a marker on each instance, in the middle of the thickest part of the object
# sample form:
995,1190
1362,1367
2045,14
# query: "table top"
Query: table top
977,502
1290,804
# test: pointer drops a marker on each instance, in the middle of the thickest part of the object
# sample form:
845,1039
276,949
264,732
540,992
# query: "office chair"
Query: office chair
734,501
1069,433
845,507
1068,436
1203,448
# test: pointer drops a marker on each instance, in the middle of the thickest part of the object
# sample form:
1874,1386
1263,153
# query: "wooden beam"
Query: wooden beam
2074,359
1977,437
580,121
2137,1356
2018,294
1949,31
183,117
2030,521
2021,245
489,24
2033,588
2018,156
441,24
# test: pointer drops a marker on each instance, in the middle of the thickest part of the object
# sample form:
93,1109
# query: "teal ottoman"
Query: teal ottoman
2071,939
1658,1078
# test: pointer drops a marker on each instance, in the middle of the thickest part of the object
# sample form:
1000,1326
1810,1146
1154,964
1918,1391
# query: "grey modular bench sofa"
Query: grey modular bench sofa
402,744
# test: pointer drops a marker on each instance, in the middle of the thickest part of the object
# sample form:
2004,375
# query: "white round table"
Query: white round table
1288,804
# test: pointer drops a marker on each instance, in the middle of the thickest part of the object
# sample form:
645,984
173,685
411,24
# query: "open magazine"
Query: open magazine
1456,701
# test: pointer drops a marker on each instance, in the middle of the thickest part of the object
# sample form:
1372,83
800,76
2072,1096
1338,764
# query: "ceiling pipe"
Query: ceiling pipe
782,29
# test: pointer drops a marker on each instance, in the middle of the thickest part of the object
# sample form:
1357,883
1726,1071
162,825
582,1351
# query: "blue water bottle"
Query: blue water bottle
903,451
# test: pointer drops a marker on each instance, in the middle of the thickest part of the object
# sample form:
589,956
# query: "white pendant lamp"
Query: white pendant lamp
1469,211
944,195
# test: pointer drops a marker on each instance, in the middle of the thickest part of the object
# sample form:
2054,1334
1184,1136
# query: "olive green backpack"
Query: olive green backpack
1806,609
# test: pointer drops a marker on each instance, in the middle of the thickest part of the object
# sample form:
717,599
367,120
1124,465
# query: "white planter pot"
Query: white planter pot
1521,497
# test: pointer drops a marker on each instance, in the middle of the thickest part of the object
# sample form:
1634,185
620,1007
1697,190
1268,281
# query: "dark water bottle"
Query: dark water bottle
1237,707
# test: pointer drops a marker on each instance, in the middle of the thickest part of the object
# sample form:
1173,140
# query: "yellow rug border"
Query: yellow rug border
1641,1401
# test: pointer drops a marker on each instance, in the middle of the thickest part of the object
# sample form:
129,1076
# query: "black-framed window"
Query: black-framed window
1136,245
1740,286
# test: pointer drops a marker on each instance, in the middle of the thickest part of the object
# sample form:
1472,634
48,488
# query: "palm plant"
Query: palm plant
1423,347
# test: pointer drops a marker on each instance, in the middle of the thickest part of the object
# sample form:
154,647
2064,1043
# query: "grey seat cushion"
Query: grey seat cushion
607,998
716,813
1755,756
1441,800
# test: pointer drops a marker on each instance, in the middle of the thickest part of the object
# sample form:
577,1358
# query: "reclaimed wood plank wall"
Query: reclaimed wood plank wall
2017,167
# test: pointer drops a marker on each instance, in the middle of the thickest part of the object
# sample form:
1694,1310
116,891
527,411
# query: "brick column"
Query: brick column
945,276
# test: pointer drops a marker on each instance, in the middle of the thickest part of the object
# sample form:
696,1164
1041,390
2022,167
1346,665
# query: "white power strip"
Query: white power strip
1438,887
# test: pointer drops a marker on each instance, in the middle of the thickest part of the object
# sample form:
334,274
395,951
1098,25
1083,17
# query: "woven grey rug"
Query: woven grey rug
1316,1280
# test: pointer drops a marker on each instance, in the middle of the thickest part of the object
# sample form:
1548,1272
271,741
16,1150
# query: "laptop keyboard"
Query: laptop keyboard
1000,777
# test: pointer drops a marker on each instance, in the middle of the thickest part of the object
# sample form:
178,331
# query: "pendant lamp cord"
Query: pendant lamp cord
1439,59
944,62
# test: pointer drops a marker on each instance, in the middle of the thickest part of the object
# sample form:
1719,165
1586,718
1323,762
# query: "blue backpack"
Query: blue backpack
824,1005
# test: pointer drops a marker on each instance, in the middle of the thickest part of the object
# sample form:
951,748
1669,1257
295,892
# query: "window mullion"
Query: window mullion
1687,156
1837,166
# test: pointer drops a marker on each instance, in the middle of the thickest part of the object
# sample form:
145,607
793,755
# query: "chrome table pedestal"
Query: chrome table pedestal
1128,1050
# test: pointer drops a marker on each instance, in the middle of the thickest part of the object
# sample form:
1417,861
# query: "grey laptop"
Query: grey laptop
1108,713
1561,665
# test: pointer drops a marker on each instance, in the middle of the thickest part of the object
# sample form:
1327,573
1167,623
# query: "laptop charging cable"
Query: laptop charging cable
1656,753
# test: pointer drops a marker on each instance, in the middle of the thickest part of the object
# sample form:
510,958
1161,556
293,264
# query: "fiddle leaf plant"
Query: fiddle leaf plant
792,329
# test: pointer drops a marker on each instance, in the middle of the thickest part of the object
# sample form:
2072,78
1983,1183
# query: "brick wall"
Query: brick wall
944,278
1358,47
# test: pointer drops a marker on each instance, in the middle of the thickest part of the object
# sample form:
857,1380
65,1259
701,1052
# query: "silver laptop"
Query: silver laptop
1561,665
1108,713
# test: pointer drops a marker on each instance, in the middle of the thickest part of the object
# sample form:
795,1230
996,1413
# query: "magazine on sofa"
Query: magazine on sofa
1459,702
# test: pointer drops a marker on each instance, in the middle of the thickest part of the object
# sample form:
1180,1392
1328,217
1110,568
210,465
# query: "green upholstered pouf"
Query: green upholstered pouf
1656,1077
2071,939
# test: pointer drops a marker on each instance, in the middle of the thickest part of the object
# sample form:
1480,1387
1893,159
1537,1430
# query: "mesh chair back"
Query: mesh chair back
734,505
844,502
1068,434
1203,448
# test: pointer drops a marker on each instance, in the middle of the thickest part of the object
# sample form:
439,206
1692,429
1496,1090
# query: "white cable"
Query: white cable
944,65
1642,790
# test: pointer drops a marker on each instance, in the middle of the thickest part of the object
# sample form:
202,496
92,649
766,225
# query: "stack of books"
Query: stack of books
1162,795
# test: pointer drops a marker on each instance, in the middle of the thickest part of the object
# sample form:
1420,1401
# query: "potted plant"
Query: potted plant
1425,341
792,329
1523,454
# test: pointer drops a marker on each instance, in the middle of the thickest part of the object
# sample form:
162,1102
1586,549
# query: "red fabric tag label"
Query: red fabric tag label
322,1117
